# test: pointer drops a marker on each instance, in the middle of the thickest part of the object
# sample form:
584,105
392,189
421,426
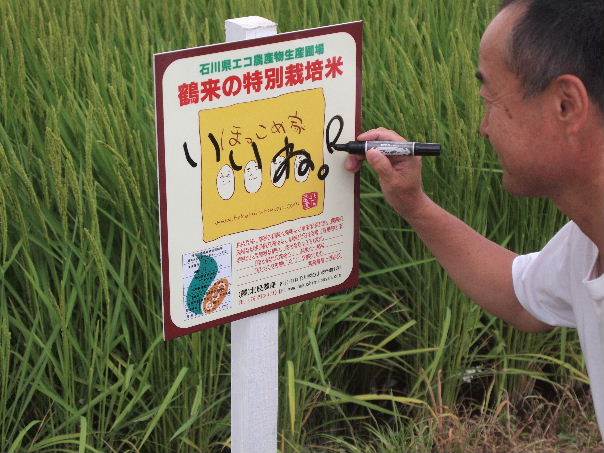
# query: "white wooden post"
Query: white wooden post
254,340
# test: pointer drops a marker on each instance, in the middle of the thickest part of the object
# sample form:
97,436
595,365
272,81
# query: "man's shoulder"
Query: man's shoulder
572,234
570,249
569,235
564,248
569,230
563,238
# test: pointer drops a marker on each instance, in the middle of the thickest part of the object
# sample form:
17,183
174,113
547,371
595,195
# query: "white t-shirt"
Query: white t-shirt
557,286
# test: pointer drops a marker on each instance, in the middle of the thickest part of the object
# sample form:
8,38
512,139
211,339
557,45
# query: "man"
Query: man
541,65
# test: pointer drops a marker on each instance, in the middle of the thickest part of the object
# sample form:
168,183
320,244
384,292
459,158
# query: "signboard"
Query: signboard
256,208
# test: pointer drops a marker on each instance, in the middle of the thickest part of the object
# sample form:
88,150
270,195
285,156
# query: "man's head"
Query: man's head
556,37
541,64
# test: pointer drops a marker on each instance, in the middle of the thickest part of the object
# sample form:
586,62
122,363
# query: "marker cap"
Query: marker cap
427,149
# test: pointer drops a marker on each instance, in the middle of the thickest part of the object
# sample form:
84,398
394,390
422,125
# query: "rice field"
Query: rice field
83,366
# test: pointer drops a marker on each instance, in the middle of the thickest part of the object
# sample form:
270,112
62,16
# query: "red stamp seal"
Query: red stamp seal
310,200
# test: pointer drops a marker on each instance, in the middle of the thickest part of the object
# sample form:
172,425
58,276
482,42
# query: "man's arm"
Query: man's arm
481,268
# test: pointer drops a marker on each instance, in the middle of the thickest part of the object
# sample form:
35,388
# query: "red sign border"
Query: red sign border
161,63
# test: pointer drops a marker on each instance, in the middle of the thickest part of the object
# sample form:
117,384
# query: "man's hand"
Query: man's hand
481,268
400,177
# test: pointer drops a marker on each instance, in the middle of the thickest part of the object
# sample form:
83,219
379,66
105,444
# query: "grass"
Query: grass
536,426
82,363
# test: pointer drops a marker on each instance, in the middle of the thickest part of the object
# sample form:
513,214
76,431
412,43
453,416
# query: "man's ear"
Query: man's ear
572,102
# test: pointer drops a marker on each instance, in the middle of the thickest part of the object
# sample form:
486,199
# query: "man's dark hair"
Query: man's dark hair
555,37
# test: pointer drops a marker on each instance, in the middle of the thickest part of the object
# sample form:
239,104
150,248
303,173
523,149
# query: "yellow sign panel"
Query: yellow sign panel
262,163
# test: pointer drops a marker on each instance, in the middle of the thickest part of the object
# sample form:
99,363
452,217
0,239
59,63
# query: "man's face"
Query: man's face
520,129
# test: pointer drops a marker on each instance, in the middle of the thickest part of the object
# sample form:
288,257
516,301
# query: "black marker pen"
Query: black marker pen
391,148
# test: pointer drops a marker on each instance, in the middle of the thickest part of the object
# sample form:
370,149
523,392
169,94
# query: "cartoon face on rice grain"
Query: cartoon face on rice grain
252,177
225,182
